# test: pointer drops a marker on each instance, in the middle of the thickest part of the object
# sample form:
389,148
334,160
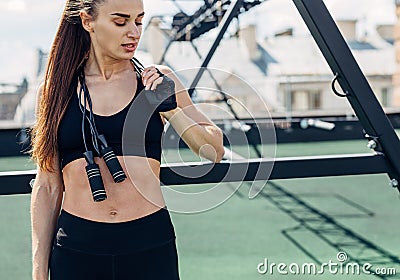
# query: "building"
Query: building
10,97
24,114
286,72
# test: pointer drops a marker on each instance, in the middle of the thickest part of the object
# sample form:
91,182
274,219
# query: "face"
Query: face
116,30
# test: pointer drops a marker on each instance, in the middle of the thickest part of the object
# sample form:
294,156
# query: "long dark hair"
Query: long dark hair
69,49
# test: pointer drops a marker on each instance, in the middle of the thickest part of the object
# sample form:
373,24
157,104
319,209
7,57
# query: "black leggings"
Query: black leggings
140,249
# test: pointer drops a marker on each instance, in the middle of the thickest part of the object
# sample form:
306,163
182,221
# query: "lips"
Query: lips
130,47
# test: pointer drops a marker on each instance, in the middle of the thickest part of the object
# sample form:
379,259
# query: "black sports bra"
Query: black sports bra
141,137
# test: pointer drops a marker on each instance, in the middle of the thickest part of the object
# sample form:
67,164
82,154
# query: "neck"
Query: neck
105,67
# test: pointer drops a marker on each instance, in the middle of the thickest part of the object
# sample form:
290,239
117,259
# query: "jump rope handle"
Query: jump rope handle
94,176
111,160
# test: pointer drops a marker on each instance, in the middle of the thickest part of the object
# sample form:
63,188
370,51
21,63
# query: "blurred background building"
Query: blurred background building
285,69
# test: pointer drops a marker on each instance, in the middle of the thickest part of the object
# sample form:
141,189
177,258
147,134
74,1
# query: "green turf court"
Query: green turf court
297,221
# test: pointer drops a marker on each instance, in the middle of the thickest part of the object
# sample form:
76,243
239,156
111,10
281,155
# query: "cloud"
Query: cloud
17,61
14,5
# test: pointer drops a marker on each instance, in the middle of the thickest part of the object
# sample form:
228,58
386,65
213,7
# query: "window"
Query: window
306,100
314,100
385,97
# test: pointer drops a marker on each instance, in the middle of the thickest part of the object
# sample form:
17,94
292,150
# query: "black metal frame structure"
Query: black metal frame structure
241,170
377,127
350,77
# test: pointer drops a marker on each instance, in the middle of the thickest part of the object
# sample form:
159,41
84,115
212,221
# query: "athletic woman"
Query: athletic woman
96,216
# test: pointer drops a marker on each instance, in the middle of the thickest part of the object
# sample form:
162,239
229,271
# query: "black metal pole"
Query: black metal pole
352,80
17,182
179,33
225,22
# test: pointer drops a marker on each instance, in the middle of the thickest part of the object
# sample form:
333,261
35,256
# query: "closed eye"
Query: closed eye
124,23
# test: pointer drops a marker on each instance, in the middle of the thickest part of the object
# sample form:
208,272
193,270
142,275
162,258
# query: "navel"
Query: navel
113,213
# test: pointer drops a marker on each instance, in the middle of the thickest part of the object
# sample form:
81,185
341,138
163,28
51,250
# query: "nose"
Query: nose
134,31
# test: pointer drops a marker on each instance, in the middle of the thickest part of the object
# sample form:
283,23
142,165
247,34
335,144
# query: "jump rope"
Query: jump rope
163,98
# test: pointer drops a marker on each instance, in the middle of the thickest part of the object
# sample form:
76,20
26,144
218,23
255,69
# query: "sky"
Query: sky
26,26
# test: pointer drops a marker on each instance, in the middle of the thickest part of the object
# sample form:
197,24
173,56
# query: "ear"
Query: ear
87,21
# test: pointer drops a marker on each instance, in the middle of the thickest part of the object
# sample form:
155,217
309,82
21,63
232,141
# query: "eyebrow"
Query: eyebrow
126,15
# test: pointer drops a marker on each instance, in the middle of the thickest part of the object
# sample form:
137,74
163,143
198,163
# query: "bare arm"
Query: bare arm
201,135
46,198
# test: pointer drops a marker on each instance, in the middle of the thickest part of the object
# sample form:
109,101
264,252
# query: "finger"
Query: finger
150,81
152,78
156,83
152,69
148,73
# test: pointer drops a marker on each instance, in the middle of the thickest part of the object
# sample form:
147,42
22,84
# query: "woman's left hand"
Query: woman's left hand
151,78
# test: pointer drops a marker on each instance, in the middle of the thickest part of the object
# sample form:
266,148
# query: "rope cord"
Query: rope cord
90,118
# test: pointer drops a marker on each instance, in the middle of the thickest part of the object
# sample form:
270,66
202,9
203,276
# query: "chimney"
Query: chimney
248,36
41,63
156,40
348,28
396,75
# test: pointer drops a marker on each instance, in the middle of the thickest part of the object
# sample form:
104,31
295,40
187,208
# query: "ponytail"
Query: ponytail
68,52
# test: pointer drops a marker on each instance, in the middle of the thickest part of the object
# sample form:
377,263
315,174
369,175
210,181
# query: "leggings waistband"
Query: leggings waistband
93,237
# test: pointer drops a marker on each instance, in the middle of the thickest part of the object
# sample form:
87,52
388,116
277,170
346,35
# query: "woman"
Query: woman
127,234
